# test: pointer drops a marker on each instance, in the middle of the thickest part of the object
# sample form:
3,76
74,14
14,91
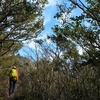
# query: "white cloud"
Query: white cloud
49,13
80,50
47,19
51,3
32,45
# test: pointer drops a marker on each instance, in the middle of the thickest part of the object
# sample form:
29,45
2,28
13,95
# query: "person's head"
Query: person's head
14,67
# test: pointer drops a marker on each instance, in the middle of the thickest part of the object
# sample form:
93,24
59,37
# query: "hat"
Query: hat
14,67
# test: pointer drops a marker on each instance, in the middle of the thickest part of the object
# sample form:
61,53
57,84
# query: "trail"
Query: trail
13,96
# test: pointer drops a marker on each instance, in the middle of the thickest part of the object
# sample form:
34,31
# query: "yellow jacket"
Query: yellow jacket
16,77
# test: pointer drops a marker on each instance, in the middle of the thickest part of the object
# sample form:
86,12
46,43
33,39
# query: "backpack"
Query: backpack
13,73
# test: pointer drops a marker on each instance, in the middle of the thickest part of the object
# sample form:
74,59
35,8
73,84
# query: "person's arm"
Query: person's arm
17,75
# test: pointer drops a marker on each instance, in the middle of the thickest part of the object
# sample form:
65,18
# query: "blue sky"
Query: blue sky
49,21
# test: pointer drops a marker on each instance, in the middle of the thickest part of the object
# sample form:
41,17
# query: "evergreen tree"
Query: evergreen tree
20,20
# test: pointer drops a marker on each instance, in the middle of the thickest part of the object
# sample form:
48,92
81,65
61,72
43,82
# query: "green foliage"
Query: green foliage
19,21
69,75
6,63
81,30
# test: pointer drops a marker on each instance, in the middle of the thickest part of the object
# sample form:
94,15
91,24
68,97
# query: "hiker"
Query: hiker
13,79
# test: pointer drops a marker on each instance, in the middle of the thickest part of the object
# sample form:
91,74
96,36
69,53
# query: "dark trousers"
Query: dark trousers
12,85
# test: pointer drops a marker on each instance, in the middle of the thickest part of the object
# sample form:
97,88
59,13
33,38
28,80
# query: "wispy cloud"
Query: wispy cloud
50,10
47,18
51,3
48,14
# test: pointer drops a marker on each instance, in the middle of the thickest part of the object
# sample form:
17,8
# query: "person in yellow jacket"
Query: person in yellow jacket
13,79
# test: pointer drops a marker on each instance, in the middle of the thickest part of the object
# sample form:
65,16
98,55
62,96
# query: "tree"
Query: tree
81,30
20,20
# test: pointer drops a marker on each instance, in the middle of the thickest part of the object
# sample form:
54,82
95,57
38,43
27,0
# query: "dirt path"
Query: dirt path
13,95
